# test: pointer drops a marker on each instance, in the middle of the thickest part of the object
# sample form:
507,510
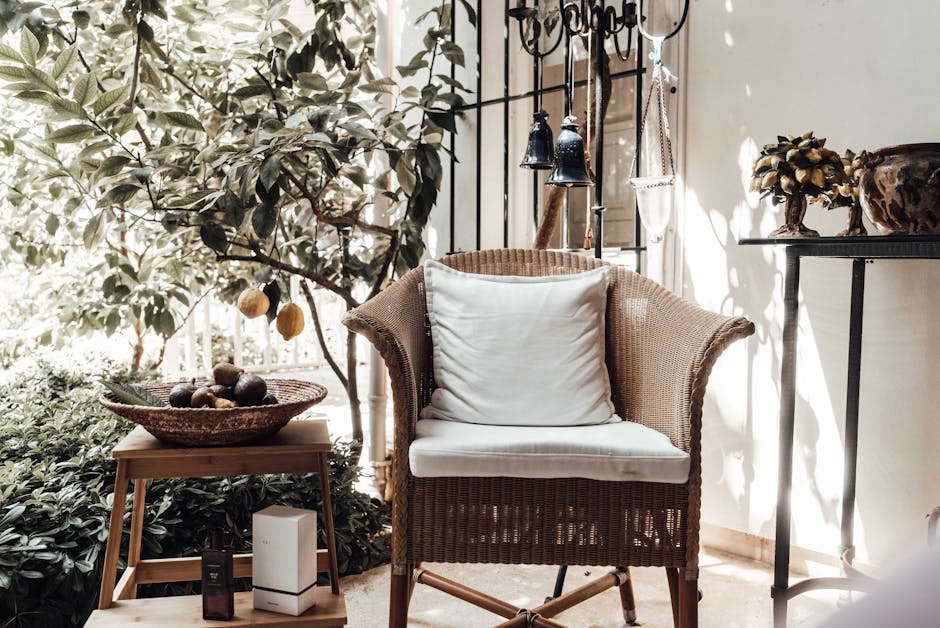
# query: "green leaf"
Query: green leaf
94,231
264,219
406,175
108,99
29,46
133,394
111,165
144,31
250,90
66,108
64,61
71,134
382,85
52,224
213,235
119,194
270,171
81,19
312,81
184,120
84,89
125,123
13,72
471,13
6,52
357,130
273,292
42,78
452,52
13,514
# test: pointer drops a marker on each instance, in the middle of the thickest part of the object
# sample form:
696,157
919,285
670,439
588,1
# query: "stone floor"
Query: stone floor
736,595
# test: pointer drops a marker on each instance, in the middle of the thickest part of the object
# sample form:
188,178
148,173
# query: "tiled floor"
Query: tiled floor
736,595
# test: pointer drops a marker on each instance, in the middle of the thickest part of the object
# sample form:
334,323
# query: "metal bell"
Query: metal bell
570,169
540,150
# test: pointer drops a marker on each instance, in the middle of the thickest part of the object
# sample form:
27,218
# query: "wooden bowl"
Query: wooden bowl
199,427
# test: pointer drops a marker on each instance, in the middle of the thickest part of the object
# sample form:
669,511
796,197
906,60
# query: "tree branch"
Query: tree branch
335,220
260,257
277,107
135,76
327,355
189,87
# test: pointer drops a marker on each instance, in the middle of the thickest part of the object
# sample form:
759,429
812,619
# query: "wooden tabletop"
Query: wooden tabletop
297,437
173,612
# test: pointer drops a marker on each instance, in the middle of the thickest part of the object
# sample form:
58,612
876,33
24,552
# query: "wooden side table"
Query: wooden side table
300,447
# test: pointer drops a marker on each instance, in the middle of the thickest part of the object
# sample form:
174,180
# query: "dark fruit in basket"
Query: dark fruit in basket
226,374
222,392
250,390
182,394
269,400
201,398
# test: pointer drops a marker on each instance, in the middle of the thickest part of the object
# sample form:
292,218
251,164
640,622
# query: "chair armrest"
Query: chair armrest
395,321
664,350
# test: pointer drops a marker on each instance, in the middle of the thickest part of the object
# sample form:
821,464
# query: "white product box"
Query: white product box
284,566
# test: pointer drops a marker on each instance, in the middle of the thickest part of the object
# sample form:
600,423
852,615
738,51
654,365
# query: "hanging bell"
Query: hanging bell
540,151
570,169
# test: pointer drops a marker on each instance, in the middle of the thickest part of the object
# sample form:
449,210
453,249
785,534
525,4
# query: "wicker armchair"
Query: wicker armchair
660,351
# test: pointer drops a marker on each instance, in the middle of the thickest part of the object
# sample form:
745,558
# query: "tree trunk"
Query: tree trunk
138,354
352,388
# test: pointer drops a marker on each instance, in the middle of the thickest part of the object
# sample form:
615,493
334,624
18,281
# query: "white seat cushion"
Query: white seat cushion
622,451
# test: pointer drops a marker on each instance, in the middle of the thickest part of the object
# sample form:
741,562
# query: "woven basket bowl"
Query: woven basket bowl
197,427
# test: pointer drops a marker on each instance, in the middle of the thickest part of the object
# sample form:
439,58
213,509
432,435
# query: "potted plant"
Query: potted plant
794,168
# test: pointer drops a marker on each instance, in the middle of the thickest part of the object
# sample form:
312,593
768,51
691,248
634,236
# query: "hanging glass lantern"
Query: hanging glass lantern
654,200
540,149
570,169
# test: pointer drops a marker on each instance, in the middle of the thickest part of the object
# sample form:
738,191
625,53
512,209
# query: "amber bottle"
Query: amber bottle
218,581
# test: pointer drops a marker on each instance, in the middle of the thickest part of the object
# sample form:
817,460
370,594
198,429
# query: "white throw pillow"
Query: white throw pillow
513,350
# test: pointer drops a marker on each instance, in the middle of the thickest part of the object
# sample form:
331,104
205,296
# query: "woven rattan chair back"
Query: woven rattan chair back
660,350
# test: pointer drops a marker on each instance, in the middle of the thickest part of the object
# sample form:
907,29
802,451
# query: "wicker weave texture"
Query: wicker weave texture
192,427
660,351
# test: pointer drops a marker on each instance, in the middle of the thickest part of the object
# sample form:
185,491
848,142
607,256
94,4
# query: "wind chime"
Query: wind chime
597,22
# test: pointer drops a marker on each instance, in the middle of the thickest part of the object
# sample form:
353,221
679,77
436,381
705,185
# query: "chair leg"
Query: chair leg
627,601
672,577
688,601
400,596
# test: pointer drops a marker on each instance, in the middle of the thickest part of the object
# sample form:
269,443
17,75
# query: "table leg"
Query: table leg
138,509
328,522
851,409
115,529
787,413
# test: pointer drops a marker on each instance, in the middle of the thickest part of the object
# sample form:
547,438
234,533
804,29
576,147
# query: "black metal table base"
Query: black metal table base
860,250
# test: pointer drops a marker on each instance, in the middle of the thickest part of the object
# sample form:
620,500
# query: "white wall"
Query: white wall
862,74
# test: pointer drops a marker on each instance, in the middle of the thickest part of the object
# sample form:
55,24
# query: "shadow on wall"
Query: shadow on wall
742,452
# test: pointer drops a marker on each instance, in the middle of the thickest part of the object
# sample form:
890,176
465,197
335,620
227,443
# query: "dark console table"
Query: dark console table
859,250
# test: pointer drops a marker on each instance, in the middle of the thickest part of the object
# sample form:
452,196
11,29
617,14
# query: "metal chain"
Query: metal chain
665,139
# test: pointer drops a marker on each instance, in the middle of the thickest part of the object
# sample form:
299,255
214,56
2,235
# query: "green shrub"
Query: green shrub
56,485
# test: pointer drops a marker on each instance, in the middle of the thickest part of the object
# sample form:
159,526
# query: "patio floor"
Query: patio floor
736,595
